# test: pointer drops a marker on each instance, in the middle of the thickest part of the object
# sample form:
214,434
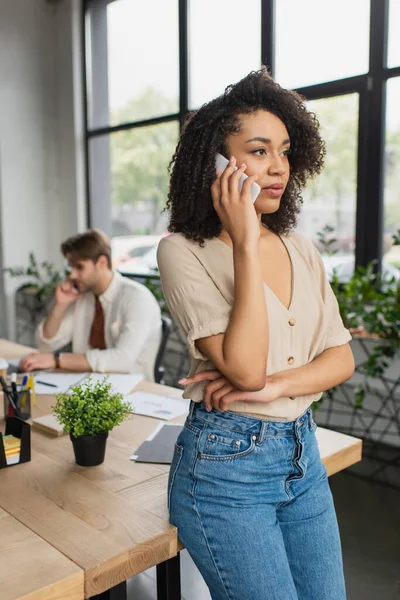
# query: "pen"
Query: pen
23,390
30,386
14,388
46,383
12,408
13,405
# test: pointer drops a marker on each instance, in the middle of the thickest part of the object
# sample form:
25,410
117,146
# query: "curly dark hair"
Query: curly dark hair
204,133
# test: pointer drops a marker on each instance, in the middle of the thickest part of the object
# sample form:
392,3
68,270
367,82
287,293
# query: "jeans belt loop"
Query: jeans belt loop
191,410
263,431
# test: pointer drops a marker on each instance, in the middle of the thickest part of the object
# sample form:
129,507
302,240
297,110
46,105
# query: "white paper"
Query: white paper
62,381
121,383
160,407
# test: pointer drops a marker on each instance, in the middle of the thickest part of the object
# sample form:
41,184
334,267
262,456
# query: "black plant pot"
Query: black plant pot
89,449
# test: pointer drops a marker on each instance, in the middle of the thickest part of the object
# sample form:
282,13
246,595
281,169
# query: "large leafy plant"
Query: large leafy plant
42,277
91,408
370,307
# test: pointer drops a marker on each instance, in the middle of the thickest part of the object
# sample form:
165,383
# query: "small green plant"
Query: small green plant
42,277
90,408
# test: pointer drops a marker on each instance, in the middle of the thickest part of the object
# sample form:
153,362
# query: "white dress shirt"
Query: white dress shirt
132,329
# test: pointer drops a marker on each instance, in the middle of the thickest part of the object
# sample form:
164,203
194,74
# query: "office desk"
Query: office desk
111,520
77,512
31,569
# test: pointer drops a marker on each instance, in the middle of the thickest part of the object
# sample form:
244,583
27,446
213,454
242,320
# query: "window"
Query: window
133,61
391,253
394,34
331,199
131,168
132,72
224,45
148,64
319,41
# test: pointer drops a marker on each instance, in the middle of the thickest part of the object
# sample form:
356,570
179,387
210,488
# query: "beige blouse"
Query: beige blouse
198,287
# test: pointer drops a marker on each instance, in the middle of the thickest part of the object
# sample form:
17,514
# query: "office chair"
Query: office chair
158,368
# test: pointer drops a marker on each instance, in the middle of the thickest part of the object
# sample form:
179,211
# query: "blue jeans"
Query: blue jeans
252,505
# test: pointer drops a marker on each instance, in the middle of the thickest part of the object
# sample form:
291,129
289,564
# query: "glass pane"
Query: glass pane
394,34
319,41
133,61
129,179
224,45
331,199
391,252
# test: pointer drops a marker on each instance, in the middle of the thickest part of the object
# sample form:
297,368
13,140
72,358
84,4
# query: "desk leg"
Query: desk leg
119,592
169,579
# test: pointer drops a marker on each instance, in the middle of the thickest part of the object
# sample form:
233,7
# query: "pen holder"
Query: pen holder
24,404
21,430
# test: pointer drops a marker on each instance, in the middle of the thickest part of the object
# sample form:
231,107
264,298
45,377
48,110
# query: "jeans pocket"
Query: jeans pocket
176,461
223,444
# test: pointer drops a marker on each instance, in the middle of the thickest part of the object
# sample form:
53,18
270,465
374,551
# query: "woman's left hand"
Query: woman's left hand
220,392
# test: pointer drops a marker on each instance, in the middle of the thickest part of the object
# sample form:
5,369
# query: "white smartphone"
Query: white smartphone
221,163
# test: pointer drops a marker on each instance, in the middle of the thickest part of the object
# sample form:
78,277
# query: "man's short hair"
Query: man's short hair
89,245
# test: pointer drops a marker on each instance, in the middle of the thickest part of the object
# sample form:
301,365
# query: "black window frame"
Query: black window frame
370,87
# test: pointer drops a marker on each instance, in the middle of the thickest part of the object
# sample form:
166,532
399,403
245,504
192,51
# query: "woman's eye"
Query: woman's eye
286,152
260,152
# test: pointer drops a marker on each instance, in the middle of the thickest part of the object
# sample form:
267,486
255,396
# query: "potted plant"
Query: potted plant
88,412
369,305
43,278
33,297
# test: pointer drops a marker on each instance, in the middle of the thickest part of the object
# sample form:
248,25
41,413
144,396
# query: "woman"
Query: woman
247,488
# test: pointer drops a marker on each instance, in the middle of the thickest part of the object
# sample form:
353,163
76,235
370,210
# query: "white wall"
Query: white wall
41,166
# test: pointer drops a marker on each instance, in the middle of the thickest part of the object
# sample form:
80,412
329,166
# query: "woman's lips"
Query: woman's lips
274,191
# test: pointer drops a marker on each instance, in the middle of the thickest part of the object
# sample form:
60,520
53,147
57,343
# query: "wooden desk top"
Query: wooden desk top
31,569
110,520
75,509
106,535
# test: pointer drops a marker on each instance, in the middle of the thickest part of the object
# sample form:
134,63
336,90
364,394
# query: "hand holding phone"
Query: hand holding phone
238,216
66,293
221,163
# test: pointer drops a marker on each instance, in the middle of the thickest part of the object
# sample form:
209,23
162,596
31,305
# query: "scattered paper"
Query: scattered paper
160,407
121,383
58,383
62,382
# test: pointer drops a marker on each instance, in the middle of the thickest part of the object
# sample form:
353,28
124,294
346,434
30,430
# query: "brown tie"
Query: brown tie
97,339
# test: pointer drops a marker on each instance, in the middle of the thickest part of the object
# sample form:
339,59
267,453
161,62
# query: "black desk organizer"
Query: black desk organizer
22,430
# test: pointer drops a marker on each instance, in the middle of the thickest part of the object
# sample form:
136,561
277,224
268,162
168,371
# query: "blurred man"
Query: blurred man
114,323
